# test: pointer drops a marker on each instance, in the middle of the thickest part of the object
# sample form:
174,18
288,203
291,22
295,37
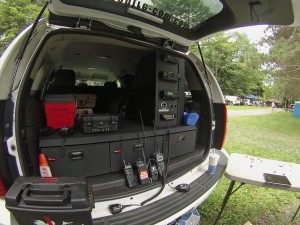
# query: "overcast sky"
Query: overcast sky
254,33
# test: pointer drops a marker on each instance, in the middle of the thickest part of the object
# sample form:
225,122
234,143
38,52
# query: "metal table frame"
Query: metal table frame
249,170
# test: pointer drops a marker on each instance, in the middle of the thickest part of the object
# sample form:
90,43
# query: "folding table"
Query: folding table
248,169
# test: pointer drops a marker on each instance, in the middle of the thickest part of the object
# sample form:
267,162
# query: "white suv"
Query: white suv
95,124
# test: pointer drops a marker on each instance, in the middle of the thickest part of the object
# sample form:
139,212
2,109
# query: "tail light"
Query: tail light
220,125
2,187
224,126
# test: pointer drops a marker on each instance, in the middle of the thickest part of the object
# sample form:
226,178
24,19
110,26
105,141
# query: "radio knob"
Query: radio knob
163,105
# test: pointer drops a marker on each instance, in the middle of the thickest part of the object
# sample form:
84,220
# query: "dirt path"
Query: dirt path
256,112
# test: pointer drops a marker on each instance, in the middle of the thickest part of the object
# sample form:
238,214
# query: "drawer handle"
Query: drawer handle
137,147
78,155
181,139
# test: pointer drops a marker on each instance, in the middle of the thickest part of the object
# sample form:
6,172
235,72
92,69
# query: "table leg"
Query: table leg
295,213
226,198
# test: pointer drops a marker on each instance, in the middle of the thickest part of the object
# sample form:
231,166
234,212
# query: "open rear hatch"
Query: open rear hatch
183,22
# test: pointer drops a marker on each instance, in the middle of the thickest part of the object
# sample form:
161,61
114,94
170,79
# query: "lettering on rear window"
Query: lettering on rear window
150,9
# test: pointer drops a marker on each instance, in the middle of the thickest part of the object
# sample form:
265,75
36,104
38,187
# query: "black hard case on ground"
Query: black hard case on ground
98,123
64,200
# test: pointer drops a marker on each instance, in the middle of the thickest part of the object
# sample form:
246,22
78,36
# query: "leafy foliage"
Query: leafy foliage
14,16
282,62
235,62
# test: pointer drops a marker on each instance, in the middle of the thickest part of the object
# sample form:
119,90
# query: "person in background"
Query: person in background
273,106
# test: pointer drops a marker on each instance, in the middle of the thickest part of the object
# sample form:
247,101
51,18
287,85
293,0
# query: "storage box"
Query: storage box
99,123
85,100
36,200
83,111
60,110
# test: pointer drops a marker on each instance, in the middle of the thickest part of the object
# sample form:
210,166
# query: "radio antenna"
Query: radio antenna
168,156
121,147
146,145
142,146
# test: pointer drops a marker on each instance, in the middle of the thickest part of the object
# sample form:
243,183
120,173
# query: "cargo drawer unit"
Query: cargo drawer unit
78,160
97,154
63,200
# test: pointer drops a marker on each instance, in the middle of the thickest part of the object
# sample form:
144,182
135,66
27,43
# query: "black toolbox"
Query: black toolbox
99,123
63,200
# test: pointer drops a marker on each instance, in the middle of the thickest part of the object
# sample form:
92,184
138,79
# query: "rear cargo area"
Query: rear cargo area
96,106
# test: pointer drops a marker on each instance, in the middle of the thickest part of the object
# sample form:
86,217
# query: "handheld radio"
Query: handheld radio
153,172
159,157
142,169
130,177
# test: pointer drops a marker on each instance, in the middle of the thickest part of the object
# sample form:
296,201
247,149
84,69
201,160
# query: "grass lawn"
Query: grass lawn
274,136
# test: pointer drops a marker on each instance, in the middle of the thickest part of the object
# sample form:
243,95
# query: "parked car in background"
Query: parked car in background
246,102
95,123
233,100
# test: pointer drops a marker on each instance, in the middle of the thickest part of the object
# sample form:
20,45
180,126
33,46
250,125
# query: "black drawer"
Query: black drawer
79,160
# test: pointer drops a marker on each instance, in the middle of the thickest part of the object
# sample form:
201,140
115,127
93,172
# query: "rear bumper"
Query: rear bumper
167,209
164,209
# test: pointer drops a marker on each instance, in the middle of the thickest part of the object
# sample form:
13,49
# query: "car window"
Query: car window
186,14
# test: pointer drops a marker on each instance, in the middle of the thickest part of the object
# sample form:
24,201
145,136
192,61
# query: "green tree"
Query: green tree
235,62
283,62
15,15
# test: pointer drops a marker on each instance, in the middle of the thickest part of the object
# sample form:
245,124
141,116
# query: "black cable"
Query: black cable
163,184
168,156
205,71
168,183
157,147
124,206
252,10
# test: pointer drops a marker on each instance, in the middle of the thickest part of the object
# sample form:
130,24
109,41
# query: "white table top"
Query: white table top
249,170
